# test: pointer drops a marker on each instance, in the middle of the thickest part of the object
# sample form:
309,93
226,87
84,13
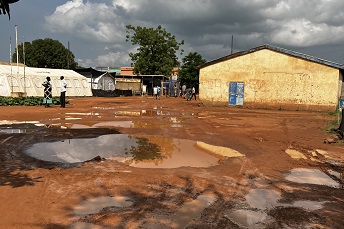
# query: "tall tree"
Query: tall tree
156,52
5,7
189,73
45,53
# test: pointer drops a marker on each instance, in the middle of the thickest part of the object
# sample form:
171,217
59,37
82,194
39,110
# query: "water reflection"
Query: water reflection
311,176
136,151
95,205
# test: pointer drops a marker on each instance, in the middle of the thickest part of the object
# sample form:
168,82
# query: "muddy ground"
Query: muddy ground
258,169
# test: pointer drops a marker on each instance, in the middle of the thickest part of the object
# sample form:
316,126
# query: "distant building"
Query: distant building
269,76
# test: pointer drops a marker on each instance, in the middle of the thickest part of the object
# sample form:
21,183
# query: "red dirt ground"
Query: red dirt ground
37,194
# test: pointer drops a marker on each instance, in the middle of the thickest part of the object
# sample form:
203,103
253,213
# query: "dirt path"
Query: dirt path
276,173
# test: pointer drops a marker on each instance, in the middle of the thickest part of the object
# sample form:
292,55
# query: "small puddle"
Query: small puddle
248,218
309,205
295,154
95,205
142,152
262,198
15,131
83,225
188,212
311,176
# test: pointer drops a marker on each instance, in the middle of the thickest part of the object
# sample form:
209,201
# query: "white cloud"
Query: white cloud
204,25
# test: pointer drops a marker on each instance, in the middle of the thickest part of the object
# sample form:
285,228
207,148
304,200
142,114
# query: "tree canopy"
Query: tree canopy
156,52
5,7
45,53
189,73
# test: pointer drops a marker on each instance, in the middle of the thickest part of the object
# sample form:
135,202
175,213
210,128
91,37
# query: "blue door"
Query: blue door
236,93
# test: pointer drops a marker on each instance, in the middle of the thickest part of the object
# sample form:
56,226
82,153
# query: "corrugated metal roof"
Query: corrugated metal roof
277,49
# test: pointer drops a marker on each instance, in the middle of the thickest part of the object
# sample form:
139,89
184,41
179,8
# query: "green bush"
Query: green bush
26,101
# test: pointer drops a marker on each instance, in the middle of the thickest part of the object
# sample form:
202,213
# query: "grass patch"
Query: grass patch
26,101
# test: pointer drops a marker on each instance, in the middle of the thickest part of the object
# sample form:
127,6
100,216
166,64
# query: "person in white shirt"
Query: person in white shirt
63,92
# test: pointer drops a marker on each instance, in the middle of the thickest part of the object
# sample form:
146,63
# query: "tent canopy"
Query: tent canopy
21,79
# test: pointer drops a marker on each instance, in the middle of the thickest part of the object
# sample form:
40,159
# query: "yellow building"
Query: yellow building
272,77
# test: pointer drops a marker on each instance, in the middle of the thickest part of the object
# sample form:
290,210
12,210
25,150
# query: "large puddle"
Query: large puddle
143,152
311,176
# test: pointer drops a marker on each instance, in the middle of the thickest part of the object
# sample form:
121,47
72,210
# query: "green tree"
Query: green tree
156,52
189,73
45,53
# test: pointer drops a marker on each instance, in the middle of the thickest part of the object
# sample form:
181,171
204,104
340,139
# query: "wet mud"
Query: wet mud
138,162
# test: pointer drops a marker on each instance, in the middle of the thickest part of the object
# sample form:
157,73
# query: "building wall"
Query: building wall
273,79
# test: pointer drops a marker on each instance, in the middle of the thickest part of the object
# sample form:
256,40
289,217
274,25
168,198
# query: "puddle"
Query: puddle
188,212
142,152
15,131
248,218
84,114
192,210
95,205
262,198
295,154
124,124
309,205
219,150
83,225
12,122
311,176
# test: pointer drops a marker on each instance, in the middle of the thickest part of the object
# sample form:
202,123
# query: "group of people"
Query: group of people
188,93
48,95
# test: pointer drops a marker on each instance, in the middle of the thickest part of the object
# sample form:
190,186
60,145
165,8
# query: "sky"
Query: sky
96,29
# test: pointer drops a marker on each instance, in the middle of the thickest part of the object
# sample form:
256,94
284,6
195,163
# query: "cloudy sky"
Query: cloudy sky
95,29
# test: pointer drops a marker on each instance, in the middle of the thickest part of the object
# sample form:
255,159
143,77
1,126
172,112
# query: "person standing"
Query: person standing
183,90
193,93
63,92
158,92
48,97
155,92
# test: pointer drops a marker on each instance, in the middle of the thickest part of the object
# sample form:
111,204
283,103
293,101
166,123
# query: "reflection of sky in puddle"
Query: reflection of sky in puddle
311,176
95,205
262,198
187,213
248,218
11,122
79,150
143,152
15,131
83,225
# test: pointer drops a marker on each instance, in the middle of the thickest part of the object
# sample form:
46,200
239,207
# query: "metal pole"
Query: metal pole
232,45
11,65
24,66
16,28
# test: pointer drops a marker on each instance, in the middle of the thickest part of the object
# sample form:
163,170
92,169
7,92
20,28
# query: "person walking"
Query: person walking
48,97
193,93
63,92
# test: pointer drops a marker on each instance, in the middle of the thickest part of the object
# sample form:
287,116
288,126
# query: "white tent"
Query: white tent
16,80
104,82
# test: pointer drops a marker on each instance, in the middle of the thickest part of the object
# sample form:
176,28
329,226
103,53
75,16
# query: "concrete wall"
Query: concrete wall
273,79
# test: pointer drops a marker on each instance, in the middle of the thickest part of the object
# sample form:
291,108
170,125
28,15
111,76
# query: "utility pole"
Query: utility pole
17,52
68,57
11,64
24,65
232,45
